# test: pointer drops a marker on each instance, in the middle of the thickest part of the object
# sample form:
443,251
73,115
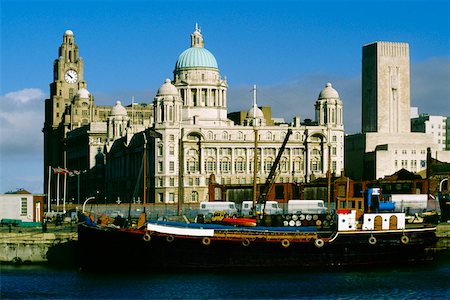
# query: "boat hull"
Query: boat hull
106,248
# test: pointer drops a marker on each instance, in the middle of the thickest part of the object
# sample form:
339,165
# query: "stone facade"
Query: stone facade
386,88
386,144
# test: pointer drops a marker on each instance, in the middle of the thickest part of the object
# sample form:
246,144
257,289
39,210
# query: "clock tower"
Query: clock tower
67,93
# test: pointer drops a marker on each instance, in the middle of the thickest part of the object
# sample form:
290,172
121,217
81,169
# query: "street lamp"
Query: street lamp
84,204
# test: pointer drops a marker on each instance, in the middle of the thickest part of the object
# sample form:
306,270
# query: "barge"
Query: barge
379,238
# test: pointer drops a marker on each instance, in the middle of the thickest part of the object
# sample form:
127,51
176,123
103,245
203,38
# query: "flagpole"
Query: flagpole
49,188
57,192
65,190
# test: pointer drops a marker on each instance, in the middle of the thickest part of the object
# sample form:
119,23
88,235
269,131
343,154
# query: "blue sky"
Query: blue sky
290,49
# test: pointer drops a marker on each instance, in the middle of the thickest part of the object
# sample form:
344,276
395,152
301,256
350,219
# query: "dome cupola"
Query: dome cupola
167,88
118,110
328,92
83,93
196,56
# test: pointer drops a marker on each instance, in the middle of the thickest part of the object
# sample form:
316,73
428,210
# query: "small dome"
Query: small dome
255,113
68,32
167,89
196,57
328,92
83,93
118,110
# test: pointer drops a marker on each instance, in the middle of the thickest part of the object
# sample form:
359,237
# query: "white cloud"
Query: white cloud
21,122
21,140
24,96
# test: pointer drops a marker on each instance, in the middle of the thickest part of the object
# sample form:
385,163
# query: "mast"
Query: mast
255,151
329,179
145,170
49,188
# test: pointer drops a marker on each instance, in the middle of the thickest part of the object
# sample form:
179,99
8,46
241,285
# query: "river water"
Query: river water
430,281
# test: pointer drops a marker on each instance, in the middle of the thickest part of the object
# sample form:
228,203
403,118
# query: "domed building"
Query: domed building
205,142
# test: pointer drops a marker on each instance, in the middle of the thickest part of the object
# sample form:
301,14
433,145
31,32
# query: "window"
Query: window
172,181
225,166
239,166
197,181
333,166
334,138
160,166
24,207
171,197
194,196
161,197
333,151
172,166
225,135
171,150
171,138
192,166
160,150
268,165
210,165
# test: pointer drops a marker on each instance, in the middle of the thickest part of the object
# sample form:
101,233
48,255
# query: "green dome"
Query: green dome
196,57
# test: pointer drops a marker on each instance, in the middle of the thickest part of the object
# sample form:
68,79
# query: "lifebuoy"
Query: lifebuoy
170,238
285,243
206,241
147,237
318,222
319,243
372,240
404,239
245,242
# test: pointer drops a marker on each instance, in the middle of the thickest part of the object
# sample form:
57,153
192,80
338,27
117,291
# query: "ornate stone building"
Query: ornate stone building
198,139
75,129
190,136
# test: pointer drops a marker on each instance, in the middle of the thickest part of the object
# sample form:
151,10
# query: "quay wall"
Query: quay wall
32,246
443,234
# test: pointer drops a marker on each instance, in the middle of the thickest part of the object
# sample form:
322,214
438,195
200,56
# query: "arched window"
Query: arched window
192,166
210,165
210,135
225,135
225,166
194,196
160,150
239,165
240,135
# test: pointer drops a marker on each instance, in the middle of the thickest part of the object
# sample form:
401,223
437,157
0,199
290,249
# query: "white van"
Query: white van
211,207
306,207
272,208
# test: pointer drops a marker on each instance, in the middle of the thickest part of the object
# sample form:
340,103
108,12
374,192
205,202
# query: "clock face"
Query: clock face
71,76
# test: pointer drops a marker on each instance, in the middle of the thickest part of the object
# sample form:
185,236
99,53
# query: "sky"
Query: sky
289,49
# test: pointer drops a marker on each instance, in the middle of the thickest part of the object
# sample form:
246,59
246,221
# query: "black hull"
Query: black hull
103,248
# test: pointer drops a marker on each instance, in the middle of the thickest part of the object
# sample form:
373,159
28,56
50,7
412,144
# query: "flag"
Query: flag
73,173
59,170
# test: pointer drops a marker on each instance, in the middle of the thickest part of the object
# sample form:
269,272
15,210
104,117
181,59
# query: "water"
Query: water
421,282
